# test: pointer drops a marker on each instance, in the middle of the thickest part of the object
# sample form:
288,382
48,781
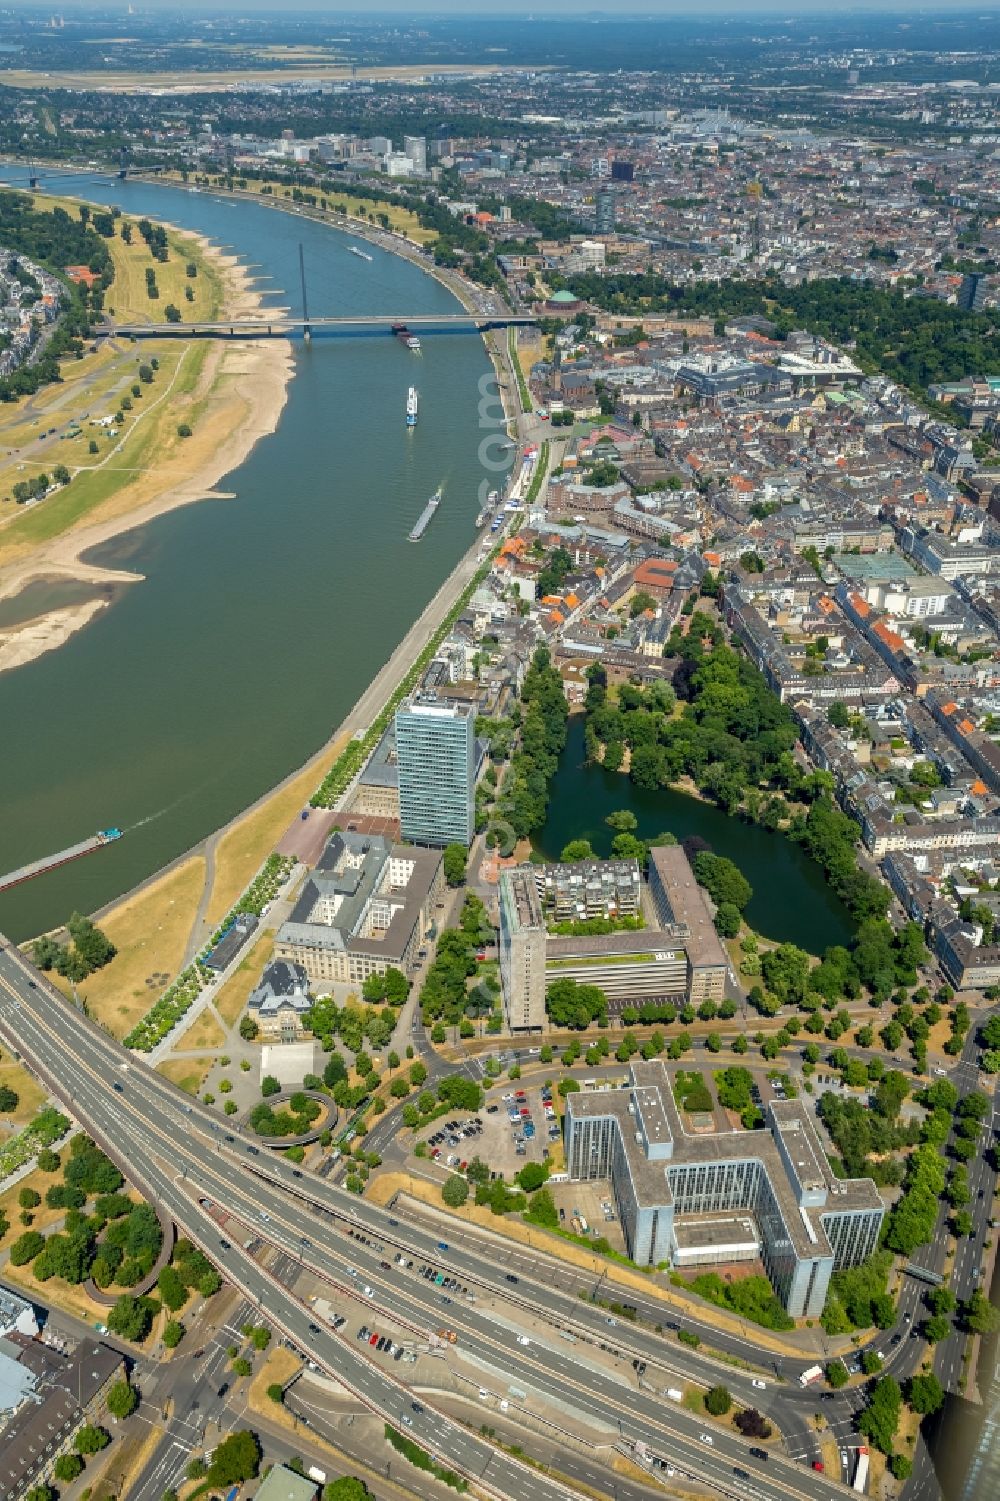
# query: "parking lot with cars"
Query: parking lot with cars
514,1126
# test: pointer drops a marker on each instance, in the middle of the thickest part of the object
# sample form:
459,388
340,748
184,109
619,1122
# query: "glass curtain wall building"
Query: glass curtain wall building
436,759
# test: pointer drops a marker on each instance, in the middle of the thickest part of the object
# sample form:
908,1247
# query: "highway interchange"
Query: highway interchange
178,1153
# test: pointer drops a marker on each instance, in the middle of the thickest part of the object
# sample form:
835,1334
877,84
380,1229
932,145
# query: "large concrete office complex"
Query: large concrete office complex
364,909
675,955
436,767
683,1197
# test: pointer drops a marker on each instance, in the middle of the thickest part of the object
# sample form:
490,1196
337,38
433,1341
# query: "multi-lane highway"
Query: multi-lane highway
181,1156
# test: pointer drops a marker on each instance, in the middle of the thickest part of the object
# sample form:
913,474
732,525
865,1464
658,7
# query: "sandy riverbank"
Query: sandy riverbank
239,396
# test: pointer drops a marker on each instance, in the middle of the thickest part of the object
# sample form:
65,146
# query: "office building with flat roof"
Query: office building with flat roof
522,951
681,904
436,771
671,1185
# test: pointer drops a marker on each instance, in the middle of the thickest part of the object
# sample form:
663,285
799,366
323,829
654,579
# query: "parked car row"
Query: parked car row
380,1342
550,1114
446,1282
519,1116
452,1133
364,1240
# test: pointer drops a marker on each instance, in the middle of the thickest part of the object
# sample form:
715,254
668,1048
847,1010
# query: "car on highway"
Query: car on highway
707,1438
760,1385
758,1453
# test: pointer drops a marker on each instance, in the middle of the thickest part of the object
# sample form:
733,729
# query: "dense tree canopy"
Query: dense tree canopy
524,796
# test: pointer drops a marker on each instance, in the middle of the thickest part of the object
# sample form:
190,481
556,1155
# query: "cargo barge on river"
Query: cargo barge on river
423,521
62,857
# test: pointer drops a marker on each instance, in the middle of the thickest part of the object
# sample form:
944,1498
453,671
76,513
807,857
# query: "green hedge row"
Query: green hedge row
47,1127
162,1017
422,1460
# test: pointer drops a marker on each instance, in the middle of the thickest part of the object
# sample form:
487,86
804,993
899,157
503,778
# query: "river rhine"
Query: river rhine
261,619
791,900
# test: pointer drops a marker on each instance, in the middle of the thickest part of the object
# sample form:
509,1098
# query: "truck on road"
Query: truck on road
812,1374
860,1481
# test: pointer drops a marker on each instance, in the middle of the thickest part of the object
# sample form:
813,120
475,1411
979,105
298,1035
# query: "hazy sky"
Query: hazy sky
789,9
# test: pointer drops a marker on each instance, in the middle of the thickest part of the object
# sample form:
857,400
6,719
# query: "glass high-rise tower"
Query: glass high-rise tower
436,757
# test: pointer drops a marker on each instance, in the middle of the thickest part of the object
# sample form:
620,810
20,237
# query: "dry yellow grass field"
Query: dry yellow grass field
401,219
128,300
150,931
231,999
188,1074
44,1218
279,1366
30,1094
244,847
203,1033
211,80
92,388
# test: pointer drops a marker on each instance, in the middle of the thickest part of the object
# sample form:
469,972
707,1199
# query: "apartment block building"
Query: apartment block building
590,888
66,1392
694,1199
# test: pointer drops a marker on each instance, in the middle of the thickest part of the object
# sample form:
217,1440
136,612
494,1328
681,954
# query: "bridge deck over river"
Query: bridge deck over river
281,325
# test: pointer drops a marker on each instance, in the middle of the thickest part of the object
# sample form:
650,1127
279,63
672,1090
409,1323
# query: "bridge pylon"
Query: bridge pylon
306,330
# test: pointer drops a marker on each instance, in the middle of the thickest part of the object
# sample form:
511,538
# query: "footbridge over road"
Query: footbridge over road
188,1161
281,326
